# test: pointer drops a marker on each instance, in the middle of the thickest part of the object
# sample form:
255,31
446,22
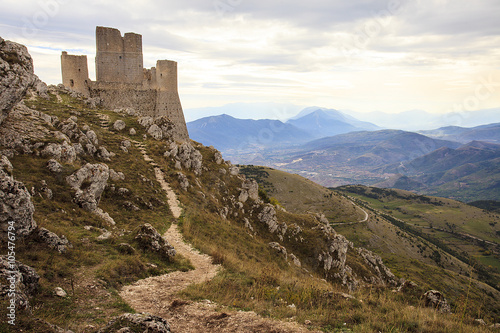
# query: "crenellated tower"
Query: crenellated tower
122,82
75,73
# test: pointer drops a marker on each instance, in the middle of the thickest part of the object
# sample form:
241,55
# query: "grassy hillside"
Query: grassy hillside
411,255
294,285
299,195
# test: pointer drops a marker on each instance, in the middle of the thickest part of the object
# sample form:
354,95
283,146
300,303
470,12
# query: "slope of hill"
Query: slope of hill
468,173
410,252
353,157
87,193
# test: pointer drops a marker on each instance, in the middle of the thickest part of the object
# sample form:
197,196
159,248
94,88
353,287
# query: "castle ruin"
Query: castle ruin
122,82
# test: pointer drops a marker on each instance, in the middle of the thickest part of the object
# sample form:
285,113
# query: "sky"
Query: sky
381,55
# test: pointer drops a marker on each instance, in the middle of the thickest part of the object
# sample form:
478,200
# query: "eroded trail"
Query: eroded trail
158,295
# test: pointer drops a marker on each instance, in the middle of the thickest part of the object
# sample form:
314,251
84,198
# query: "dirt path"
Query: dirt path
158,295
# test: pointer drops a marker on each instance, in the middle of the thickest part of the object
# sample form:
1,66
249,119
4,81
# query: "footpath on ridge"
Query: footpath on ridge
158,295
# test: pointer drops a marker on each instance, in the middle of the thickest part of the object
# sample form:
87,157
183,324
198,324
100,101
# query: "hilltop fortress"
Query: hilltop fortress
122,82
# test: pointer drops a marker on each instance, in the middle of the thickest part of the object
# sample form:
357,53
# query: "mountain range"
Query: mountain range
334,148
228,133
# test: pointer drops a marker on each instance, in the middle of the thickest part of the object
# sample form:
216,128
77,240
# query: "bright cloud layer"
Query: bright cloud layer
391,55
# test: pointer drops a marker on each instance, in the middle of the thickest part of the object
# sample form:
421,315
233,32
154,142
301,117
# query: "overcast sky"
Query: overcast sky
392,56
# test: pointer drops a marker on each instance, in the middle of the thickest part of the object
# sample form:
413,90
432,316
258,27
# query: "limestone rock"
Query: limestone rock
383,274
295,260
60,292
480,322
60,244
268,216
24,277
15,206
146,122
132,131
151,240
92,137
234,170
16,75
279,248
250,189
407,286
5,164
54,166
218,157
64,152
94,177
435,299
155,132
104,154
137,322
187,156
125,145
119,125
116,176
183,181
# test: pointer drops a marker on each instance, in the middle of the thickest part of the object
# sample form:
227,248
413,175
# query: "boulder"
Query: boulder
16,75
119,125
15,206
155,132
149,239
435,299
5,164
64,152
132,131
60,292
24,278
89,183
60,244
146,122
279,248
136,322
54,166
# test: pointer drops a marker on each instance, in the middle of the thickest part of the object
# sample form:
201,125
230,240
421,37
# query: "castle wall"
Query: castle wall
125,95
75,73
118,59
122,82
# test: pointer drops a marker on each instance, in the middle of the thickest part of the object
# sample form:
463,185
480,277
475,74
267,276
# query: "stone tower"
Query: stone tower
118,59
168,102
122,82
75,73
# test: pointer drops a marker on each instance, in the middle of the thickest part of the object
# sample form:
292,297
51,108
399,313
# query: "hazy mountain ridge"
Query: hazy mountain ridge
225,132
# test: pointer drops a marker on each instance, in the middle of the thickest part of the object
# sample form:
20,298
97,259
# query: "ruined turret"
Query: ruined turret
122,82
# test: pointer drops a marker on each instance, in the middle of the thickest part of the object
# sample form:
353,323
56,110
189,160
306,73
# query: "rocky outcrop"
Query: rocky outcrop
137,322
19,277
60,244
15,204
279,248
89,182
268,217
16,75
186,157
149,239
64,152
249,189
435,299
383,275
